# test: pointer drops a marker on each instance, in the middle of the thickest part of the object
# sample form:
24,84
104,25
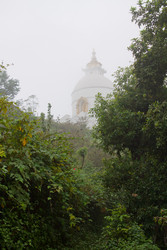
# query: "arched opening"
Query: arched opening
82,105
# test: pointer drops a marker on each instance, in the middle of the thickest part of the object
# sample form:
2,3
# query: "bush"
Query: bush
120,232
41,203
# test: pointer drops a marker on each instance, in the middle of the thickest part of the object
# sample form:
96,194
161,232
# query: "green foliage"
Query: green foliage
139,185
121,232
127,93
82,153
46,198
3,67
150,49
115,131
155,130
8,87
131,124
91,183
49,118
160,226
43,125
81,138
26,231
38,185
136,174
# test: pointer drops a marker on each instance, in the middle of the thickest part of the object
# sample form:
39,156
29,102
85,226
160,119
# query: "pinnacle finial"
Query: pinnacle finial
93,55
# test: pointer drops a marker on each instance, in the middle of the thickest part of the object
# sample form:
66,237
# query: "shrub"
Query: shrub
120,232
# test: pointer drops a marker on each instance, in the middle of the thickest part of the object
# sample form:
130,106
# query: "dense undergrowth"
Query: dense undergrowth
41,201
49,199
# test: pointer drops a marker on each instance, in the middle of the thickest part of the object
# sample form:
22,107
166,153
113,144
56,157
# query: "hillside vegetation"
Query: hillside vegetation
63,186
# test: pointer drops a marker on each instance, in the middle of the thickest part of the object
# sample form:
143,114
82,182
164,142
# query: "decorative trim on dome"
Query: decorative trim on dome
93,87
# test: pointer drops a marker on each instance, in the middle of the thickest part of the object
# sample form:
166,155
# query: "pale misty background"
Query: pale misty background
51,41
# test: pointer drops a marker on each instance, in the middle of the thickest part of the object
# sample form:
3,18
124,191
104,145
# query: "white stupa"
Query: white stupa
83,95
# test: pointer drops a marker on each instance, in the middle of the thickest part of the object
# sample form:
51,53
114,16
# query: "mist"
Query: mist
50,42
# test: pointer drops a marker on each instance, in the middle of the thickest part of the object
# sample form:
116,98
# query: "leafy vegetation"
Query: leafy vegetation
131,124
8,87
122,233
38,185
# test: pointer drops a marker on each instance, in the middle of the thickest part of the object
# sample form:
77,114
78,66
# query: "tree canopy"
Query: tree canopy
121,118
131,123
8,87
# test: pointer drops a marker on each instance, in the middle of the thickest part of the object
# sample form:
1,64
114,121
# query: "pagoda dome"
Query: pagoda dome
92,83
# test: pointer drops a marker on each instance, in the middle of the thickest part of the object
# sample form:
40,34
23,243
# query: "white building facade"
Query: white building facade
92,83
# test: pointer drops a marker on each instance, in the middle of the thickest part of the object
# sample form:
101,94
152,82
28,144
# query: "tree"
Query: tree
132,122
49,118
121,119
150,49
82,152
31,104
8,87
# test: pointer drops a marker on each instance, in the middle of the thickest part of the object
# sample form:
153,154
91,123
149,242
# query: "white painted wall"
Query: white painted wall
89,86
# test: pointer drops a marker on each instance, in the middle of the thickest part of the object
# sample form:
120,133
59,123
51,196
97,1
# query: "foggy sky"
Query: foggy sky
51,41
